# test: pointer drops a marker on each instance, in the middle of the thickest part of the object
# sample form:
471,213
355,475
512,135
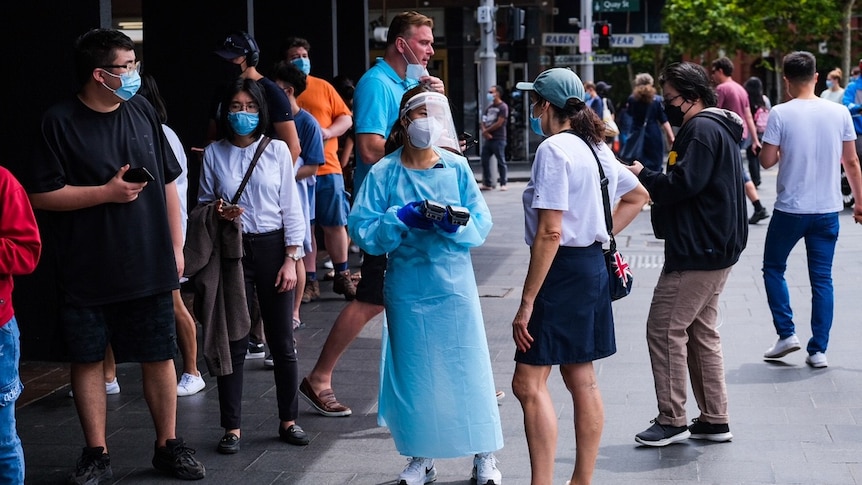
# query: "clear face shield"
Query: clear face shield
439,125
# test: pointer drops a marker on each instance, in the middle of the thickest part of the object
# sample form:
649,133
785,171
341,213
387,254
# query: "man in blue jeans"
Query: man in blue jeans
808,201
494,134
21,246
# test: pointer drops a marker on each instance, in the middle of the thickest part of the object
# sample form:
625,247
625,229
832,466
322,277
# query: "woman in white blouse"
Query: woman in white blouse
273,231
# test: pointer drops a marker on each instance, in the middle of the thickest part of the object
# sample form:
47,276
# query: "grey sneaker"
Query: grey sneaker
178,460
93,468
662,435
418,471
783,347
817,360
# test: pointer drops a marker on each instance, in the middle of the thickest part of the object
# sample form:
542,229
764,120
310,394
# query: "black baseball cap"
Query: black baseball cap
237,44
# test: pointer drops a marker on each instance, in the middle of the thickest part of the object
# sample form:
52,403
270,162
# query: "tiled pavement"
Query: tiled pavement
791,424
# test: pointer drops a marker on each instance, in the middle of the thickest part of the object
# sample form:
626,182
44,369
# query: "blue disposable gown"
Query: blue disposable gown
437,393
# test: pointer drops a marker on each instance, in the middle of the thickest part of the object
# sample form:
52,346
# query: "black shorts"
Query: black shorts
140,330
370,287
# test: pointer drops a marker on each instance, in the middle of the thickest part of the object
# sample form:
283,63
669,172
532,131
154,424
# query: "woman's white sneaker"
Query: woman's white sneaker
485,470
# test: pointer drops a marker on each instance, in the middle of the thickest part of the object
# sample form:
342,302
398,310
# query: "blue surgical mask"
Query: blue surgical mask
489,97
587,97
131,82
243,122
303,63
414,72
536,123
829,83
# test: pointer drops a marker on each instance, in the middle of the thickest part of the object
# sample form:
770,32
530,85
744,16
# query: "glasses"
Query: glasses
670,100
130,67
249,107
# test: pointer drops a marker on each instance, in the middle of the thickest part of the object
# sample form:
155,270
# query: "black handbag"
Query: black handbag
620,278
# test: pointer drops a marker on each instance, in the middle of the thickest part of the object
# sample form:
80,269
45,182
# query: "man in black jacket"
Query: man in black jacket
699,210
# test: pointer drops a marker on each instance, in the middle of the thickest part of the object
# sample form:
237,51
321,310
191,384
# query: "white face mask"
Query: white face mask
423,132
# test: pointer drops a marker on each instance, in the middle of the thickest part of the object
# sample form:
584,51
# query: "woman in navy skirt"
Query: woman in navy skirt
565,314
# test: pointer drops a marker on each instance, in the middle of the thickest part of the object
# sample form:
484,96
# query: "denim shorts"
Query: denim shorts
332,203
139,330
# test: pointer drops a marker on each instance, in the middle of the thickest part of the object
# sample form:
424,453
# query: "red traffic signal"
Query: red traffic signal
602,30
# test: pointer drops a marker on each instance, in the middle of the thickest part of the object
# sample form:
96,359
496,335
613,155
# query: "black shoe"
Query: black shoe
758,216
268,363
662,435
93,468
701,430
228,444
293,435
255,350
176,459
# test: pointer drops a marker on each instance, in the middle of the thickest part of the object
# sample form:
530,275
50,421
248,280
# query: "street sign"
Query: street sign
560,39
627,40
568,59
601,59
656,38
616,5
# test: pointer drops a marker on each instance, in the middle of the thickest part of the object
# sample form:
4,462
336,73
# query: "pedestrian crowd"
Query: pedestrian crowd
296,166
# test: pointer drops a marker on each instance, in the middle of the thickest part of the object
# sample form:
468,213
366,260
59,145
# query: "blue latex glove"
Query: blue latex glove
446,225
410,215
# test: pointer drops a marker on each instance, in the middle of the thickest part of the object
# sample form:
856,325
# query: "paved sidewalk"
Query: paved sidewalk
791,424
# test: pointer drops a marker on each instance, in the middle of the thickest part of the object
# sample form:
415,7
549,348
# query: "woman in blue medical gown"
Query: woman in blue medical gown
437,392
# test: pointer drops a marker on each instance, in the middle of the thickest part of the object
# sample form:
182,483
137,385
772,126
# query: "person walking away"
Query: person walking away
759,106
644,107
808,202
732,96
699,211
494,122
565,313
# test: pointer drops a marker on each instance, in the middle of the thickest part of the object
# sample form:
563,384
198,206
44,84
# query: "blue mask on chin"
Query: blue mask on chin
535,123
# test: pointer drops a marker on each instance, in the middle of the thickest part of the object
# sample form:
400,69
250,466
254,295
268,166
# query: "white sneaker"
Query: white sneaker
817,360
418,471
328,264
783,347
112,387
190,384
485,470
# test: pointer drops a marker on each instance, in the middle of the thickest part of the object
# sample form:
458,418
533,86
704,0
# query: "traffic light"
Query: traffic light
602,30
516,26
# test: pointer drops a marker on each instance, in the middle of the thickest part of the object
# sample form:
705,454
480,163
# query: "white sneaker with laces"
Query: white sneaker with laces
190,384
418,471
112,387
783,347
485,470
817,360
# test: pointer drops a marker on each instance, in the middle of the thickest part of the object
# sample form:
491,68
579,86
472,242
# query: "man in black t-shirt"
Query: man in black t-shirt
105,171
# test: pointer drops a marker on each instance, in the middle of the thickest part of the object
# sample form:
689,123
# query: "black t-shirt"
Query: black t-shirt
110,252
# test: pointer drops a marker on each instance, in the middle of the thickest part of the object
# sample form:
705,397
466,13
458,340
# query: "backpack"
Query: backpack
761,118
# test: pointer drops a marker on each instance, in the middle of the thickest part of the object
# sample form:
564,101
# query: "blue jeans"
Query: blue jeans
498,149
11,452
820,232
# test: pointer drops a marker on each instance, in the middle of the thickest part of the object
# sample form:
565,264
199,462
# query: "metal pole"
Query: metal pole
587,23
487,62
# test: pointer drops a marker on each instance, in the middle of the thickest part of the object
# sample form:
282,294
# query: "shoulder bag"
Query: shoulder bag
257,153
620,278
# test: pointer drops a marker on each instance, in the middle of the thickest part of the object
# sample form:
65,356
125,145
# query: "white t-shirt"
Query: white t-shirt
183,180
810,134
565,177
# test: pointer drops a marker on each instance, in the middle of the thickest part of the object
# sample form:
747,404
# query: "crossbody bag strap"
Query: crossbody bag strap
603,182
257,153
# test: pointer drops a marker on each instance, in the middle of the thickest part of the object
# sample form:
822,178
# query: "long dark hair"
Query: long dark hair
754,88
585,122
256,92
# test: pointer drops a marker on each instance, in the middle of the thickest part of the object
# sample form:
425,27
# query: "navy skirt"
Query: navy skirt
572,320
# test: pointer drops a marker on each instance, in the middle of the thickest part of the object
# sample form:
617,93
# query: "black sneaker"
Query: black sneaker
176,459
93,468
758,216
701,430
255,350
662,435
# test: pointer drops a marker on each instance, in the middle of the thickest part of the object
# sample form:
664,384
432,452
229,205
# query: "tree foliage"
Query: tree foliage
752,26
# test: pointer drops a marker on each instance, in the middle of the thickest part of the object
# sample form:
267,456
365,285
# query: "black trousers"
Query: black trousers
263,257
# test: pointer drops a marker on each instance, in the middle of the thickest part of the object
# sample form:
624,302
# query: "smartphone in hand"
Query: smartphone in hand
138,175
624,162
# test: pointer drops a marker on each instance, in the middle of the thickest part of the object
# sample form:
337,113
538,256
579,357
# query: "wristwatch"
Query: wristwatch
294,256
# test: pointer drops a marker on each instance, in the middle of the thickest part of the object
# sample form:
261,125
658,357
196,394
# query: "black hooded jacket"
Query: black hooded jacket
699,204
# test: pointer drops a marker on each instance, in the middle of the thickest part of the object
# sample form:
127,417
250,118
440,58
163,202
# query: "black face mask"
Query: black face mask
674,114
